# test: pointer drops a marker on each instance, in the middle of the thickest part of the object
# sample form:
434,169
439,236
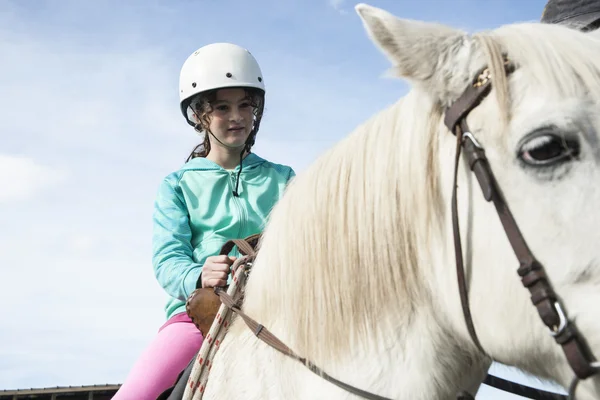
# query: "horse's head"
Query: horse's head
540,128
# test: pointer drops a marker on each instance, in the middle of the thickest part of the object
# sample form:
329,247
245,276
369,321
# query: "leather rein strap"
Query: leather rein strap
247,248
266,336
532,273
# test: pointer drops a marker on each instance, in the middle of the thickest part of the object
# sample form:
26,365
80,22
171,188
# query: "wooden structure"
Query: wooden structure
91,392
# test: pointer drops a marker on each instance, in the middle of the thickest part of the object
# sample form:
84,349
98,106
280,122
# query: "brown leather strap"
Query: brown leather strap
470,99
246,246
460,269
532,273
521,390
266,336
479,88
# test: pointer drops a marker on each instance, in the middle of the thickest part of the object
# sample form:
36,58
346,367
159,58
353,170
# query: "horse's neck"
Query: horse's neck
419,361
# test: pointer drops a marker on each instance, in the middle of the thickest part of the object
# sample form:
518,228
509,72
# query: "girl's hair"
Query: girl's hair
202,106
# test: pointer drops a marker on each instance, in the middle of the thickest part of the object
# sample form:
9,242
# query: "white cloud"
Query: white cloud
21,178
336,3
82,243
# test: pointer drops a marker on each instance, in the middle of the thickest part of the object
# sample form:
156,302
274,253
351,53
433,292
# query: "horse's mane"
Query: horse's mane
344,247
339,251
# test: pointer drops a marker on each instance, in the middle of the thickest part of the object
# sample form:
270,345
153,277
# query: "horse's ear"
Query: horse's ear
427,54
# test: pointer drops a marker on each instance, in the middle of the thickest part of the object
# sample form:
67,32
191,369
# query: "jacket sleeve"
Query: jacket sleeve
291,175
172,251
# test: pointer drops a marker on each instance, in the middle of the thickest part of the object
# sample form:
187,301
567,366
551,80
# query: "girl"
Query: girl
223,191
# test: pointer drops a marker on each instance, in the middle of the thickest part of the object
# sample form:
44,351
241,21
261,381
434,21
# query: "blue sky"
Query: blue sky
91,125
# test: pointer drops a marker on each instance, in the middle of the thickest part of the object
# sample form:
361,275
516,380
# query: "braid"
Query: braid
201,150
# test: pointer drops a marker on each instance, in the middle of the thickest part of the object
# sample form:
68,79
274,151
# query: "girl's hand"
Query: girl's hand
215,270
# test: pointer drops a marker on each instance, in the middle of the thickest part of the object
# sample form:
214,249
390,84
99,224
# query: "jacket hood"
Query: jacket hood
201,163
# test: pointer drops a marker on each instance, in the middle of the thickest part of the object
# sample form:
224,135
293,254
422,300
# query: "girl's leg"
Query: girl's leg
161,362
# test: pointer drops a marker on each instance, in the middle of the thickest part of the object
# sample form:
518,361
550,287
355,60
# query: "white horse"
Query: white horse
356,269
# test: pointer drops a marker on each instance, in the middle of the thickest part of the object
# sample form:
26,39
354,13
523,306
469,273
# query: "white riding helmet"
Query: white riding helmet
215,66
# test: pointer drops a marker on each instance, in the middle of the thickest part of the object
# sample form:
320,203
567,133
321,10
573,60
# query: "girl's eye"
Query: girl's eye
222,108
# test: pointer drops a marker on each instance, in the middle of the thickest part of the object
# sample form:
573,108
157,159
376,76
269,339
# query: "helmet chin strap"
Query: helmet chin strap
237,180
246,147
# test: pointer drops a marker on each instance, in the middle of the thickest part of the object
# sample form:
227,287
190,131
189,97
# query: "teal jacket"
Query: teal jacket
195,213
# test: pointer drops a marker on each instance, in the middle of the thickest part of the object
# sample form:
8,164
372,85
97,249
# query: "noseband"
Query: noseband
532,272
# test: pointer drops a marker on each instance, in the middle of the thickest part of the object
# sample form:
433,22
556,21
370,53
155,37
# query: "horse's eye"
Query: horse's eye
548,149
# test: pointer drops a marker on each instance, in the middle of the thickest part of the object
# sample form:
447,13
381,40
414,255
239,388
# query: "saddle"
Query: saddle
203,304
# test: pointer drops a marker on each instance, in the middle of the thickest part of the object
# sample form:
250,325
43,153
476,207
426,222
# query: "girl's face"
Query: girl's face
231,118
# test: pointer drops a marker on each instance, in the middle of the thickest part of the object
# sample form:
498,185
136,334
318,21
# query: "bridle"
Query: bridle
531,271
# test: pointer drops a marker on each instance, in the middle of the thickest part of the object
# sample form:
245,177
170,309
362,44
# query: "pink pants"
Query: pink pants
177,341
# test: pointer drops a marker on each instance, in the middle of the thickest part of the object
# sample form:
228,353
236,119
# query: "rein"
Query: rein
201,367
231,301
266,336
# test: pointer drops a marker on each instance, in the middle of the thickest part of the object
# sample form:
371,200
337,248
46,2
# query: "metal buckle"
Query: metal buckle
469,135
563,322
